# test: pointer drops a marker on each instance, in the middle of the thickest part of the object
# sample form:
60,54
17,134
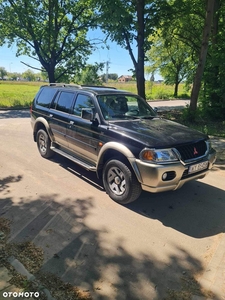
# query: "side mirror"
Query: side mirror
87,114
155,109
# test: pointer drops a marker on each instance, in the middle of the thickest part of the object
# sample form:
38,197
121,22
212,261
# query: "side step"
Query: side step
83,164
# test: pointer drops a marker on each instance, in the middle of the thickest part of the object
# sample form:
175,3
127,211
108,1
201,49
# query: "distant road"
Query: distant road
169,104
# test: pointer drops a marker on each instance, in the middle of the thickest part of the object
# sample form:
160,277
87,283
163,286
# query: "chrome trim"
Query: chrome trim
156,162
192,160
74,159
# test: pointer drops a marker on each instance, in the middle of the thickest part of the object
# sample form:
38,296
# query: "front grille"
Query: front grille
192,151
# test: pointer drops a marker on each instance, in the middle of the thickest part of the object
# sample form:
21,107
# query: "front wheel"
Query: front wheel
120,182
43,143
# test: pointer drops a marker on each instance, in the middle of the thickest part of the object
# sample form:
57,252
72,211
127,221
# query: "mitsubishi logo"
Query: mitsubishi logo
195,151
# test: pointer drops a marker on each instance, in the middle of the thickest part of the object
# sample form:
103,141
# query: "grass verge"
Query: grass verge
214,128
18,94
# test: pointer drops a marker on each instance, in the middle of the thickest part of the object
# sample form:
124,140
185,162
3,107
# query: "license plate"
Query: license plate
198,167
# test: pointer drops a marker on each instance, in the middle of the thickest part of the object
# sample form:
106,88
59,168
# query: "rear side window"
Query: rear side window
45,97
65,101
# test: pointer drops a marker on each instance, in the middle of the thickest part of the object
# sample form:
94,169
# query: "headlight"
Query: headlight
158,155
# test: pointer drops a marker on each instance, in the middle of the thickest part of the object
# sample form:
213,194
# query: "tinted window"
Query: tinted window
45,97
65,101
82,101
122,106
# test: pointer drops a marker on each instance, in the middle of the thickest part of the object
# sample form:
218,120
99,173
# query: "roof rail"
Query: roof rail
99,86
65,84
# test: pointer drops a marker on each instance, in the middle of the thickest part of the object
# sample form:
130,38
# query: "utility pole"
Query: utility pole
107,70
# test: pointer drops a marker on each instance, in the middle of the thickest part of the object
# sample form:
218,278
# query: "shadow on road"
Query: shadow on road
11,114
197,209
88,176
85,257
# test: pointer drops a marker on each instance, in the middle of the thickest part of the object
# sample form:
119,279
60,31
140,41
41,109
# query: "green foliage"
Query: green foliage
29,75
90,75
111,76
212,96
189,115
3,72
52,32
176,51
130,23
171,57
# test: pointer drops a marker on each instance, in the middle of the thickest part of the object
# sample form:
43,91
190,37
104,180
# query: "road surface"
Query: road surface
169,104
145,250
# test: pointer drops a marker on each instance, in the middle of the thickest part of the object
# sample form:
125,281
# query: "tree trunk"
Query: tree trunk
215,97
203,54
141,53
51,74
176,89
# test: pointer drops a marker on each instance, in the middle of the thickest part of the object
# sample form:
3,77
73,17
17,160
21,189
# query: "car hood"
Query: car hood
156,132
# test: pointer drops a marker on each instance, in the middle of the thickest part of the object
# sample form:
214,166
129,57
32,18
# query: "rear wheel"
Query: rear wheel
120,182
43,143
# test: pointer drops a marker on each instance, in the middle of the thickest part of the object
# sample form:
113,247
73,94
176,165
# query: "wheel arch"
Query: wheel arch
114,150
41,123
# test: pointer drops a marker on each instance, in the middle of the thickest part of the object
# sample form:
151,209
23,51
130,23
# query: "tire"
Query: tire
120,182
43,144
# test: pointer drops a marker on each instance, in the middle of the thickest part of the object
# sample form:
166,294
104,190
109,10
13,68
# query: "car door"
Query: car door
59,116
83,134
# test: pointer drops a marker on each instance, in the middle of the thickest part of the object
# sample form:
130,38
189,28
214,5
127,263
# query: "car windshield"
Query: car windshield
121,106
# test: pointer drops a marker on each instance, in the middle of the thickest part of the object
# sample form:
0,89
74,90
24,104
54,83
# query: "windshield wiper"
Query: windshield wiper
124,116
148,117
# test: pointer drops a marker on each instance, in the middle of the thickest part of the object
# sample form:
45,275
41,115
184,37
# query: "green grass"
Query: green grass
154,90
20,94
17,94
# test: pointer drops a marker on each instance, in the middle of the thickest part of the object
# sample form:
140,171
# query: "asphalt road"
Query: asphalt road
139,251
169,104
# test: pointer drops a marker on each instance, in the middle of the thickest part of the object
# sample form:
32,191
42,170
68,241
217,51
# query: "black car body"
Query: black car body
120,137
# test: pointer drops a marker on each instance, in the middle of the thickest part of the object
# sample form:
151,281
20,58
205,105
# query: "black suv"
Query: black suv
120,137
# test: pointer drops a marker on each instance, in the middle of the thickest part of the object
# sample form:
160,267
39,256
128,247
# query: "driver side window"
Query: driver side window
82,101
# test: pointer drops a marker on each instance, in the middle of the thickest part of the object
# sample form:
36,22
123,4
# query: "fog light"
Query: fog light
164,176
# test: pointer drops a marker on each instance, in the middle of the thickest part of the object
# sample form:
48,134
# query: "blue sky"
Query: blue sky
119,58
120,61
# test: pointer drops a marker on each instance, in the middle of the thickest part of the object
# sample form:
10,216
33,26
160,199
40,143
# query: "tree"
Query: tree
29,75
15,75
112,76
200,25
171,57
52,32
212,94
203,54
3,72
129,23
90,75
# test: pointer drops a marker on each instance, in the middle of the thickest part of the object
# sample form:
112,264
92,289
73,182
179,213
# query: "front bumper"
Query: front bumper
151,175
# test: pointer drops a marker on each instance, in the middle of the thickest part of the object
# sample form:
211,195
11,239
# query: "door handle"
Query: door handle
71,122
51,115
